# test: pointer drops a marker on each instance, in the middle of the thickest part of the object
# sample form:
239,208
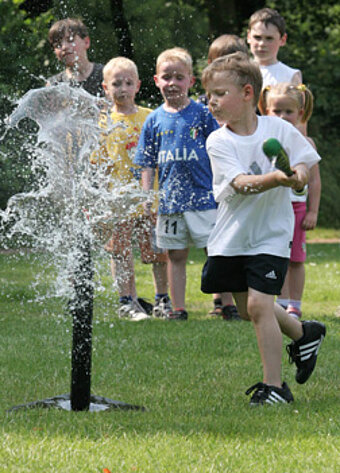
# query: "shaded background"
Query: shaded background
141,30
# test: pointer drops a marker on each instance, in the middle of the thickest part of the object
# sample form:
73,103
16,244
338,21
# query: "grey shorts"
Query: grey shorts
179,231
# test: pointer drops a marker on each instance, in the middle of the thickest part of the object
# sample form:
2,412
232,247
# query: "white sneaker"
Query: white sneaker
132,310
162,308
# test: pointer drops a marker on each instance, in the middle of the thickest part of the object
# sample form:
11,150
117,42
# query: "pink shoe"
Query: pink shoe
294,312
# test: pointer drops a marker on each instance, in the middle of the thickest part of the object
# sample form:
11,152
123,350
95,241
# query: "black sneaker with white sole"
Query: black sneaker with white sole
268,394
146,305
304,352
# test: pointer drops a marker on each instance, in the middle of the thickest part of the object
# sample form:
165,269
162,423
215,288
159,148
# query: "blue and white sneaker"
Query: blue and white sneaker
304,352
268,394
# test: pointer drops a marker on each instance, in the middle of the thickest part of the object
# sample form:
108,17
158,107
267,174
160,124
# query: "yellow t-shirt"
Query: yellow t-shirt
118,144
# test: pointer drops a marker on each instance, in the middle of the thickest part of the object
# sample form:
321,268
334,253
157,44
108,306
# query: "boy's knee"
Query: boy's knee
254,307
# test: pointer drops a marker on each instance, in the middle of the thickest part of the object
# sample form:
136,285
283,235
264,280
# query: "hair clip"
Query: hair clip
301,87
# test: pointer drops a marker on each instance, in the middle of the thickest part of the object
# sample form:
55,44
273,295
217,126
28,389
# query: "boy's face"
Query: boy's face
121,86
174,81
71,48
265,42
227,100
285,108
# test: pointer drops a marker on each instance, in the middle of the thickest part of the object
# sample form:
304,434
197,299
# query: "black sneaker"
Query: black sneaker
229,312
304,352
178,315
267,394
146,305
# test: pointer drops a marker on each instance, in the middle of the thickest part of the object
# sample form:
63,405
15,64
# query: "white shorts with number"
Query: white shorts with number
179,231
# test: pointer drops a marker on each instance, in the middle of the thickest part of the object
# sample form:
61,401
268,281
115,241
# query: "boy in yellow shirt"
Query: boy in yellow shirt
121,84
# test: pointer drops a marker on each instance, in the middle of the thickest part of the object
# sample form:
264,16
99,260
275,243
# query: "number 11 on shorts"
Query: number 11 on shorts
170,226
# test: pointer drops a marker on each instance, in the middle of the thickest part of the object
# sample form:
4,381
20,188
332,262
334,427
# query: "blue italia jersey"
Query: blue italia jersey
175,143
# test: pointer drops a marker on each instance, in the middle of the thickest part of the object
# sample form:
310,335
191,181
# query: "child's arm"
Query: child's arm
255,184
314,192
148,177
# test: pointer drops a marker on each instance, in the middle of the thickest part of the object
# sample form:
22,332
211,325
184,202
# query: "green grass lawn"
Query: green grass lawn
190,376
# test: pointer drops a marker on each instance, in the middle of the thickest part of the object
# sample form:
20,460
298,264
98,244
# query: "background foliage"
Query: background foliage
142,30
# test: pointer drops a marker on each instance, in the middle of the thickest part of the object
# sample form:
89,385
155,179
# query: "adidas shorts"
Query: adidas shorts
264,273
179,231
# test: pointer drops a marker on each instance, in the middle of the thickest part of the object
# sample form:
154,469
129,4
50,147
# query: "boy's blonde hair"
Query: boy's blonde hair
122,63
175,54
300,94
226,44
241,70
268,16
66,26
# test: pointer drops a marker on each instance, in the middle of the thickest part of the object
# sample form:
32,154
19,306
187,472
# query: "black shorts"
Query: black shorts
264,273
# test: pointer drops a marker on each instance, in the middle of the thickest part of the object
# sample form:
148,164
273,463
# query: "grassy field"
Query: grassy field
190,376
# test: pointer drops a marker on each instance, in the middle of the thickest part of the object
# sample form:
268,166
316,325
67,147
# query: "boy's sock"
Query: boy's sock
161,296
125,300
283,302
295,304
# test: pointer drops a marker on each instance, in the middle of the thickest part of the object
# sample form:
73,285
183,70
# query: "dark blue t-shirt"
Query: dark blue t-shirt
175,142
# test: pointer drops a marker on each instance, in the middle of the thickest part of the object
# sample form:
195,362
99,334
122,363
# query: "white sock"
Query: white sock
283,302
295,304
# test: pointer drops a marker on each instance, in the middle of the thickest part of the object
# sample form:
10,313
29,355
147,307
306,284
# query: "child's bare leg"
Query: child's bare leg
296,280
285,288
268,334
160,277
289,325
226,298
241,299
177,276
123,271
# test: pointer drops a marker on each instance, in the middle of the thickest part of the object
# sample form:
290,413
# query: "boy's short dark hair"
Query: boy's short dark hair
226,44
66,26
240,68
268,16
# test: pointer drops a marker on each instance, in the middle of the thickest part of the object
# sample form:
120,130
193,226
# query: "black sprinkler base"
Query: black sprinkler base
97,404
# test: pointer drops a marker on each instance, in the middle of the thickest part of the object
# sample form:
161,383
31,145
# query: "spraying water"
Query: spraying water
72,207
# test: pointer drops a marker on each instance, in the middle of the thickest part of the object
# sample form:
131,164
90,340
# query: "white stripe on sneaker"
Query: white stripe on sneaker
275,398
306,351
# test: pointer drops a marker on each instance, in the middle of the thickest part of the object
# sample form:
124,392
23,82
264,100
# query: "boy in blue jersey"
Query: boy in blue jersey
173,139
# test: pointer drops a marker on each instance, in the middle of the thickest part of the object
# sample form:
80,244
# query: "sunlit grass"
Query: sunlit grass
190,376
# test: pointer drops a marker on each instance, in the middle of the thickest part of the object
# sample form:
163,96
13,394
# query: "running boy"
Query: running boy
266,35
249,247
70,41
121,84
173,140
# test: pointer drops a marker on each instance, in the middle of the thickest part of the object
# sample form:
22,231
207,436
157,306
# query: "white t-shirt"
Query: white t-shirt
258,223
276,73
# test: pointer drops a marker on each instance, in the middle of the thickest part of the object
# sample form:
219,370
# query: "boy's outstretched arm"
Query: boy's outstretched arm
255,184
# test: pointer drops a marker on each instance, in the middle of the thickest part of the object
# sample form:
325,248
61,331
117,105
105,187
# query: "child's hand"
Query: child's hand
287,181
302,175
309,222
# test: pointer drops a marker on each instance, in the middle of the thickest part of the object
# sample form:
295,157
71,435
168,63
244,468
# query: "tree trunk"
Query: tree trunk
122,29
